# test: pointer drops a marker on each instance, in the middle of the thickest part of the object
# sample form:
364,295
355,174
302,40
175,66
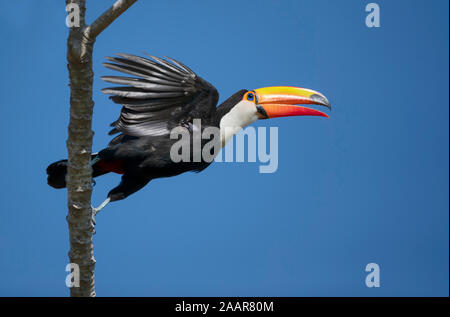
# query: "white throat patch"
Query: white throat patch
240,116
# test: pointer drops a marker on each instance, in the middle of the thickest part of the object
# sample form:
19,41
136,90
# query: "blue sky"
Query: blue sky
370,184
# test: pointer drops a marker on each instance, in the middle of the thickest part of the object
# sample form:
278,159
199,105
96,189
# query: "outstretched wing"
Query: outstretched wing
162,94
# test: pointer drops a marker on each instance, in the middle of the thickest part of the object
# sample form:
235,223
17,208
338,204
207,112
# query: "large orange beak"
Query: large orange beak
274,102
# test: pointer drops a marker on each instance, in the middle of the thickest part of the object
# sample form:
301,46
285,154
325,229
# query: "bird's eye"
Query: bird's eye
250,96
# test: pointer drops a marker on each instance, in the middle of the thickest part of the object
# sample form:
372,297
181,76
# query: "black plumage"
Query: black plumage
161,95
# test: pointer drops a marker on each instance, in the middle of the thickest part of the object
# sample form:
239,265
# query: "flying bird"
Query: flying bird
160,95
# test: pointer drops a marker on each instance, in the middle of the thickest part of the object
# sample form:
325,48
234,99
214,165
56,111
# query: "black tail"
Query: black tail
56,173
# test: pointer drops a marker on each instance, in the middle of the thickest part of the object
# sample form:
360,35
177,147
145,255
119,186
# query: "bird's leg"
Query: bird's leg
102,205
95,160
95,211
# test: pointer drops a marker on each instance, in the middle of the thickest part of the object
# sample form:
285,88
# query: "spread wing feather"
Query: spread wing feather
162,94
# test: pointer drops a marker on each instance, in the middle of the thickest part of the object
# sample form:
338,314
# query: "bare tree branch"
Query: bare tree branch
79,143
108,17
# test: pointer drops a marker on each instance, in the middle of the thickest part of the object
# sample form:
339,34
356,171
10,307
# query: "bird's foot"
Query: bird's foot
93,218
95,211
94,223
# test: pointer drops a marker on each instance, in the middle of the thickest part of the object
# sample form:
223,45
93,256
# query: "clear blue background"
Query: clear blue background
370,184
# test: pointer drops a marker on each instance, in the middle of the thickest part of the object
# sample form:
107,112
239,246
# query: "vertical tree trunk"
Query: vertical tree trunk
79,144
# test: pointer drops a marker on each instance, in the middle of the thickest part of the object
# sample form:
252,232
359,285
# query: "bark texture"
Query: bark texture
80,45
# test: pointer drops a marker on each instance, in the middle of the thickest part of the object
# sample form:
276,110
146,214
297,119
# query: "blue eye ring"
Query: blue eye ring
250,96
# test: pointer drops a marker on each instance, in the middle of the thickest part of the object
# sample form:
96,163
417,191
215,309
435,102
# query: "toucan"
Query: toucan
163,94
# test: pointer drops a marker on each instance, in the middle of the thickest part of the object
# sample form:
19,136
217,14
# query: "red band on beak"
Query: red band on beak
280,110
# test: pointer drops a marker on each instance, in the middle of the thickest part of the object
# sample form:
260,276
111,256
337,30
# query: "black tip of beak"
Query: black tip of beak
321,100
